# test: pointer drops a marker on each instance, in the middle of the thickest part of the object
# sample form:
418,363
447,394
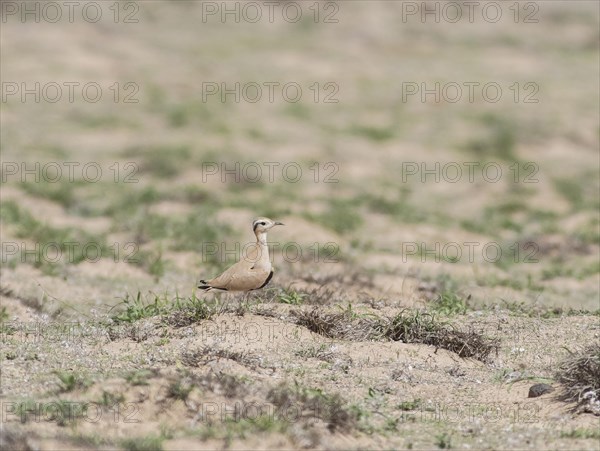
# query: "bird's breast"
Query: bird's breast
257,255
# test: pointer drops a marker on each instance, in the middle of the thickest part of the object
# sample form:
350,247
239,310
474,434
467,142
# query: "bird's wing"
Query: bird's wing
240,277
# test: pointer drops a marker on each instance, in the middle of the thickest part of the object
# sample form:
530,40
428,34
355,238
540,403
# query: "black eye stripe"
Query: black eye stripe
257,223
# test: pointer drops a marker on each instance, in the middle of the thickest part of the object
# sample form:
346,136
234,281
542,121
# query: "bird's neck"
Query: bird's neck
261,238
262,258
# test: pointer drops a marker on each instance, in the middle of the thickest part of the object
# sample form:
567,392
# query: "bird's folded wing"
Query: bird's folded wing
240,277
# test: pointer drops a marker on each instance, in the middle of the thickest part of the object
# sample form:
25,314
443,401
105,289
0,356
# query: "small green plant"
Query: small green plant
497,140
443,441
67,380
409,405
71,381
391,424
138,377
136,308
180,388
350,313
110,399
148,443
186,311
581,433
572,190
377,134
449,303
502,374
292,297
177,311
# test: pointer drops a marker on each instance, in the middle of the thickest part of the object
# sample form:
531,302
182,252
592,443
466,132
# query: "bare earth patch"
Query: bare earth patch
411,307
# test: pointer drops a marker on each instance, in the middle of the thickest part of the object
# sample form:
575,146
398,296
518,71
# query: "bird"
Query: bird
253,271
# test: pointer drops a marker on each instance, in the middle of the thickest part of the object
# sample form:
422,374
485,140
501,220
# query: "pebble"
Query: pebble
539,390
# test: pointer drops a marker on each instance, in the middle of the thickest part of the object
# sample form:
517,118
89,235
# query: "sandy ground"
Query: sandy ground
154,184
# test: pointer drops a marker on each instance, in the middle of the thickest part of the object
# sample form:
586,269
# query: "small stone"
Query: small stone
539,390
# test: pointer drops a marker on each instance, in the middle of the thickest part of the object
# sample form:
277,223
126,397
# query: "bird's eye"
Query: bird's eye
263,223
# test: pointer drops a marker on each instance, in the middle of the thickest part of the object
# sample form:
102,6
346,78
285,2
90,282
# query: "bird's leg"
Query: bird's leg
222,299
244,302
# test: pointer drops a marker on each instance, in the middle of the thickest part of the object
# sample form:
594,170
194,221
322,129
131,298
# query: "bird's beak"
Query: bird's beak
278,223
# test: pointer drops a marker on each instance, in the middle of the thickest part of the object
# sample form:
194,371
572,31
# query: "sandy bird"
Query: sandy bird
253,271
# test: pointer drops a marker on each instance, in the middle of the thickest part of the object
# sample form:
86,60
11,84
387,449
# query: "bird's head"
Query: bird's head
261,225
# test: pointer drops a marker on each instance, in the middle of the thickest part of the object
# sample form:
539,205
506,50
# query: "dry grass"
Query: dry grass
207,354
382,352
425,328
407,327
580,376
314,404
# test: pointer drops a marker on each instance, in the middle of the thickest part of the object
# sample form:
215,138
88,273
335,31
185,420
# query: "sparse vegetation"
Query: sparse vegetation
71,381
340,216
51,248
592,434
147,443
443,441
176,311
139,377
427,329
137,308
579,374
407,327
497,141
450,304
208,354
292,297
314,404
181,388
110,399
360,341
409,405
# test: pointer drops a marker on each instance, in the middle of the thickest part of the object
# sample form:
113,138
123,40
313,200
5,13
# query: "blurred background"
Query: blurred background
139,140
